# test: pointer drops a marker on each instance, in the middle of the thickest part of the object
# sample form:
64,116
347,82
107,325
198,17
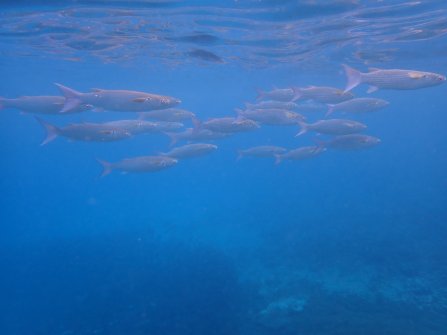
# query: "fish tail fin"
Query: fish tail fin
330,109
261,94
354,77
240,154
51,131
173,137
107,167
278,159
196,123
72,98
297,93
2,103
304,128
240,114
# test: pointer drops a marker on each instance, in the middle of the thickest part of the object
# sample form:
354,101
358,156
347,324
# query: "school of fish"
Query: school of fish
154,113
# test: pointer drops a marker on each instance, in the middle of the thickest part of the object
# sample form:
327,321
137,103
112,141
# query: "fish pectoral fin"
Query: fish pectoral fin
140,99
372,89
415,75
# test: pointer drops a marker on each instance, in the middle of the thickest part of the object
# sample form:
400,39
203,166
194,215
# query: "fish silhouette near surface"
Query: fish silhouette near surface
205,55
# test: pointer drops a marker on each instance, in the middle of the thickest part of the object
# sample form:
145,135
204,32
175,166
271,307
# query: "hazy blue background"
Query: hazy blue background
205,246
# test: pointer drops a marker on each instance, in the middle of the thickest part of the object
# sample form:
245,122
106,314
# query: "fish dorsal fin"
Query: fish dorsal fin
373,69
96,90
415,75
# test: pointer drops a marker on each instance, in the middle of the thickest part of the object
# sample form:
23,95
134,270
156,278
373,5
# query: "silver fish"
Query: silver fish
134,127
277,94
138,164
351,142
228,125
392,79
162,126
191,134
116,100
170,114
90,132
310,107
271,104
300,153
322,94
359,105
191,150
278,117
41,105
261,151
332,127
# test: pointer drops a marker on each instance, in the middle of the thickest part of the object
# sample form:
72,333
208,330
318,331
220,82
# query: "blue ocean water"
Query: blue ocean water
348,242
